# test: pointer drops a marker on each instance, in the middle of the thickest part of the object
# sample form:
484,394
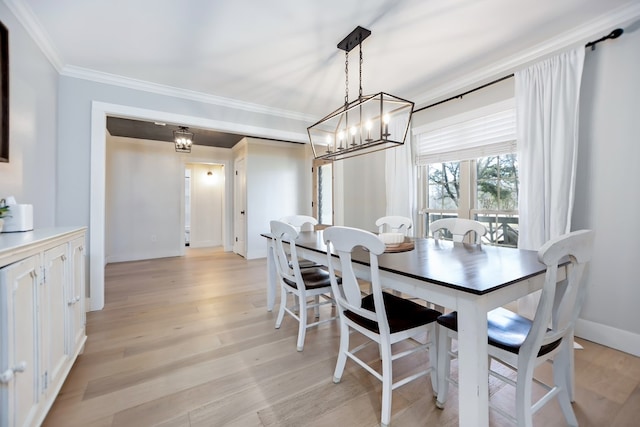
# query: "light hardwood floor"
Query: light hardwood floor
188,342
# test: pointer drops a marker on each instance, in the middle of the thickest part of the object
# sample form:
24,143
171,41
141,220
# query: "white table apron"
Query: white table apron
472,324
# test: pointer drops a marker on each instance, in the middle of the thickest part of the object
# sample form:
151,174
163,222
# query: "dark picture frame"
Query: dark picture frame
4,94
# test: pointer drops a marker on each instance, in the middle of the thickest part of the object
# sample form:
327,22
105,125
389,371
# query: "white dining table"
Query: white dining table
472,279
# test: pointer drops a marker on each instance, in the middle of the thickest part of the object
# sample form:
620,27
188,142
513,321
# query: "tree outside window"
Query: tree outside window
493,190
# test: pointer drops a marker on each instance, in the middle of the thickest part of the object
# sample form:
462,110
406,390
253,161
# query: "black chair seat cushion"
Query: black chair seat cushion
506,329
313,278
304,263
402,314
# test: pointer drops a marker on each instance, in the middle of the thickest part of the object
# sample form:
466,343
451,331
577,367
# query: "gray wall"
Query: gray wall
607,195
30,175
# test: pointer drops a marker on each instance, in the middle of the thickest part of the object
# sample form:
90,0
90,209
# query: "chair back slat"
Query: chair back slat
286,260
300,222
459,228
394,224
344,240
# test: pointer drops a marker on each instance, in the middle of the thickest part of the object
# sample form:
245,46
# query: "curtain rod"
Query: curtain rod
612,35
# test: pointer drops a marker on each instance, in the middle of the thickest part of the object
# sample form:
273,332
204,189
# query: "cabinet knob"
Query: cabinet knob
8,375
74,300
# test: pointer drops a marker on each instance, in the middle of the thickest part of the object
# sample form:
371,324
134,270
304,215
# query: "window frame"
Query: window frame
467,202
315,205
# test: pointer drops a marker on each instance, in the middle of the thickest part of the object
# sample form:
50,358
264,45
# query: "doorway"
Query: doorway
204,204
99,113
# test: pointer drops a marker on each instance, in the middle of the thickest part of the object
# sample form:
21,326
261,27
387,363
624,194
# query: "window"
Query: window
497,198
468,169
323,191
484,189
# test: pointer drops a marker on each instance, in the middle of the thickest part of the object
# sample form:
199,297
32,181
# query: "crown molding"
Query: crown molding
580,35
116,80
34,28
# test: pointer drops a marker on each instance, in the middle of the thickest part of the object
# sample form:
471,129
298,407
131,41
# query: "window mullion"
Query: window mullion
464,203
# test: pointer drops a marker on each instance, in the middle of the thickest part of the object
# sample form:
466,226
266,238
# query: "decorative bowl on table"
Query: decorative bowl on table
396,242
391,239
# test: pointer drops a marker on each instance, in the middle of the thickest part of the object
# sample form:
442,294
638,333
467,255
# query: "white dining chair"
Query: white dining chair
394,224
302,284
459,228
521,345
383,318
302,223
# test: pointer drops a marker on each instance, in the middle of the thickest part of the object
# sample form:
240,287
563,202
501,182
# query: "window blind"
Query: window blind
490,135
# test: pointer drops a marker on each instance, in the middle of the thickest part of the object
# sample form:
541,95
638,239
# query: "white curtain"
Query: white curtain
400,181
547,99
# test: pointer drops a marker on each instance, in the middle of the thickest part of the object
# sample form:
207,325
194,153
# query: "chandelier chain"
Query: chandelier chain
360,76
346,78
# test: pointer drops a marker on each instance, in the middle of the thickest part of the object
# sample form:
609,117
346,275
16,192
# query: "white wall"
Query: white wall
144,194
363,189
278,184
145,198
207,205
30,175
607,196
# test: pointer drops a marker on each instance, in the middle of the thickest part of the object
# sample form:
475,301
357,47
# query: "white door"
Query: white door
240,208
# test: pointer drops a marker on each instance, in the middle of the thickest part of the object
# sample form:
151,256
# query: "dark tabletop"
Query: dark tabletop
477,269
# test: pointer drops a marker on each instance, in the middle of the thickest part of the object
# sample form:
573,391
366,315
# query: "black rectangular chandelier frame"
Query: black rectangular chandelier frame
368,124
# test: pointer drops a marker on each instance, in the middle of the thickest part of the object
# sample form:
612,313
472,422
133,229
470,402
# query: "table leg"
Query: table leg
571,369
473,374
272,278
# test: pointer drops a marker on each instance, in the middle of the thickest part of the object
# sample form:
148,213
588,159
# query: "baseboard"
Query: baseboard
143,256
205,243
619,339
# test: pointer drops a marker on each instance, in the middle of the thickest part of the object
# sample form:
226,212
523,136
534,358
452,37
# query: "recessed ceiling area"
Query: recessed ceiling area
139,129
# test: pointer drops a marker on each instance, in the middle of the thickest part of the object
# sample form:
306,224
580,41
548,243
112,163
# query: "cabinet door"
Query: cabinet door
76,295
53,303
19,391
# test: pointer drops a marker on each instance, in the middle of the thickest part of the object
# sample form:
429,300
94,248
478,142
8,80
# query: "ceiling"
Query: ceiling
158,131
282,54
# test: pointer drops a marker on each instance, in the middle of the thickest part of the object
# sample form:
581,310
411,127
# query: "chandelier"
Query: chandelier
367,124
183,139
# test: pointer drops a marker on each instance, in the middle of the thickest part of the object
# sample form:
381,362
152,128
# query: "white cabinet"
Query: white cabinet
42,319
75,296
19,364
